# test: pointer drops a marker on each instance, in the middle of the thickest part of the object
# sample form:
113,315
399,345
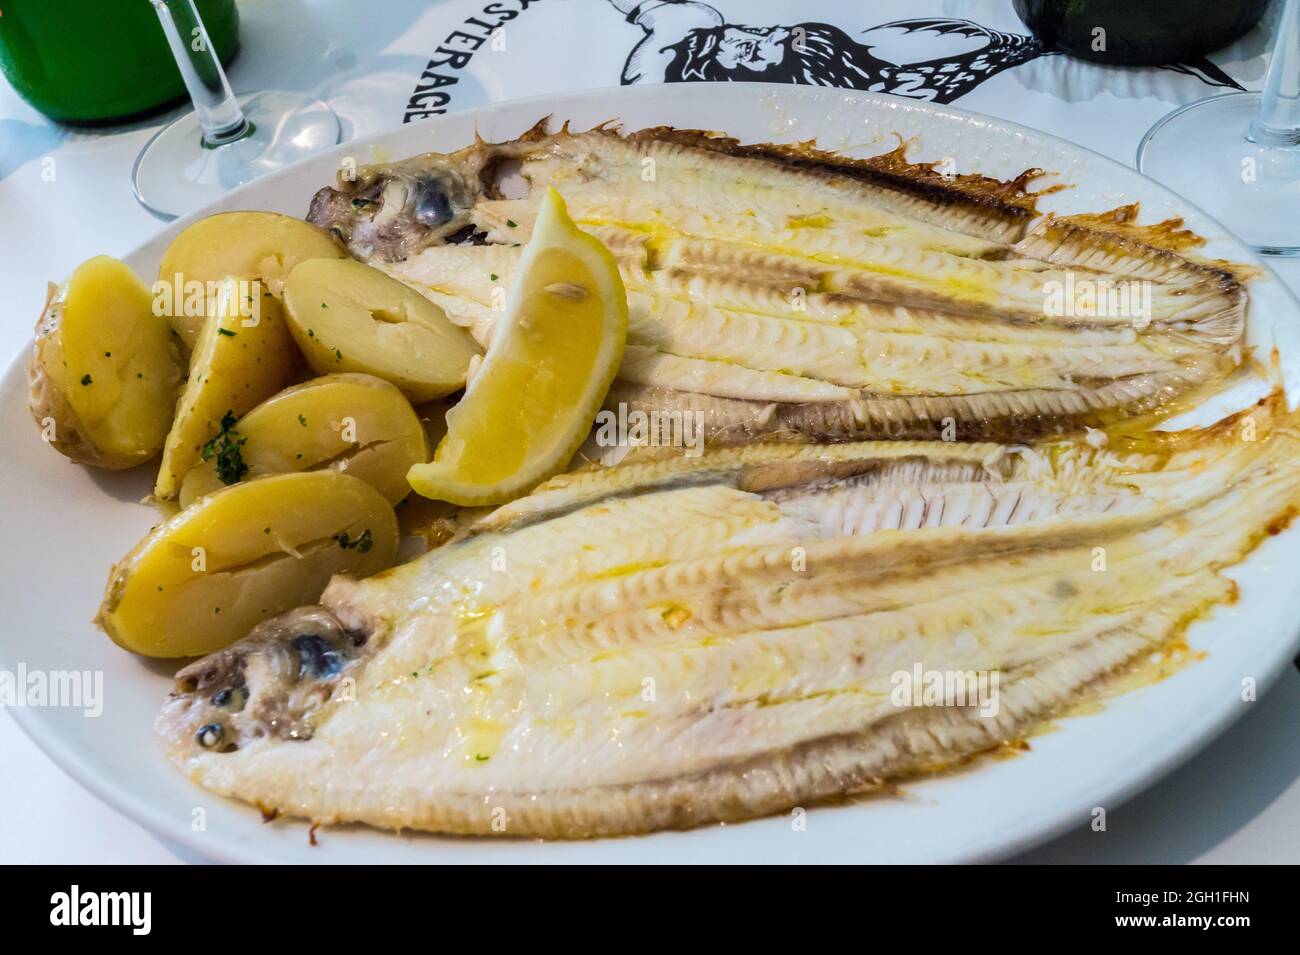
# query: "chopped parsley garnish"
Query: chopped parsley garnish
225,331
512,223
362,543
482,757
86,379
323,305
338,355
310,333
302,421
225,447
494,276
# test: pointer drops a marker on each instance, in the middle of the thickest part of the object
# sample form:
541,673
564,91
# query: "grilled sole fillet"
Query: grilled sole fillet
676,641
787,291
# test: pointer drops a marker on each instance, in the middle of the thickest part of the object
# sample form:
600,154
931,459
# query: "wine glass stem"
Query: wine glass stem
1278,122
219,114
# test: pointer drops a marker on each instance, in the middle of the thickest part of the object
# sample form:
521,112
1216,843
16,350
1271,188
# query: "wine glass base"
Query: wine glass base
177,173
1201,152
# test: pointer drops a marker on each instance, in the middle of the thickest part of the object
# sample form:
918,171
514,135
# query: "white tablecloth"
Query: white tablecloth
65,196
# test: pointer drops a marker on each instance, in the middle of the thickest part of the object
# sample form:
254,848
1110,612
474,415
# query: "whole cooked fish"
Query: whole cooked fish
675,641
783,290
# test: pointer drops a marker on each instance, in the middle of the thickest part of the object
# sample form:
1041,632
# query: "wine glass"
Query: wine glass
226,141
1237,156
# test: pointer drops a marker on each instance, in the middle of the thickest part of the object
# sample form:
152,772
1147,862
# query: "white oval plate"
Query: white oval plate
64,525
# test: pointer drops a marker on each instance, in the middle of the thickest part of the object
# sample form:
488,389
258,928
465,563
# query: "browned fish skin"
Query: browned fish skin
787,291
391,211
1024,415
992,208
513,703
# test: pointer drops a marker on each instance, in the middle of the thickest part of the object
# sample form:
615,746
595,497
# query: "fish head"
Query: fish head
271,683
390,211
393,210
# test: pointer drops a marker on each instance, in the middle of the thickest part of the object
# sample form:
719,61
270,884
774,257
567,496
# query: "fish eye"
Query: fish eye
231,698
432,208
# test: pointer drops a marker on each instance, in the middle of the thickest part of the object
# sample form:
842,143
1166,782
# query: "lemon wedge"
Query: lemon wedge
555,350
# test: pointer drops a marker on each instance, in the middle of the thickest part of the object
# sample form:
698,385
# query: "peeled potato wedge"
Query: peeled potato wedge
356,424
105,369
347,316
207,576
243,356
246,245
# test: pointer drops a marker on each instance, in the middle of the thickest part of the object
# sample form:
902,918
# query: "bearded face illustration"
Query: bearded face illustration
813,53
729,48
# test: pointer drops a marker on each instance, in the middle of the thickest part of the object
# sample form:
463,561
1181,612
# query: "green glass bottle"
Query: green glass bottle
99,61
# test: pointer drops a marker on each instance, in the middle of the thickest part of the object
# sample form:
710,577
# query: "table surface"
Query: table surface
1238,801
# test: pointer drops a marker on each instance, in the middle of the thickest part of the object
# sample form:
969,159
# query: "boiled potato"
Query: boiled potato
357,424
243,356
346,316
105,369
207,576
246,245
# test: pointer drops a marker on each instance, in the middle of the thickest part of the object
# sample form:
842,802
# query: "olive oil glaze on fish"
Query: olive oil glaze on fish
785,290
682,640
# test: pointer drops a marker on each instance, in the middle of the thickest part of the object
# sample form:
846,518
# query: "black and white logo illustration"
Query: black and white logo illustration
936,59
